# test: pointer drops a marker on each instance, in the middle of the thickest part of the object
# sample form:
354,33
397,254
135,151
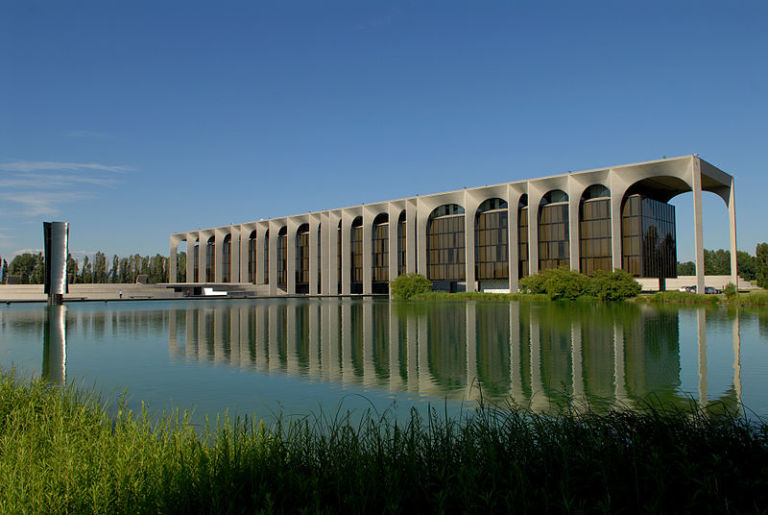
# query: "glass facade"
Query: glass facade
595,235
445,244
196,261
554,250
338,258
302,259
266,257
648,237
210,261
401,260
282,258
356,256
381,249
522,237
491,247
252,256
226,259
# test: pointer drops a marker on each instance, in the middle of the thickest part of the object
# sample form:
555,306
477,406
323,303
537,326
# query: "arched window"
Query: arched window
282,258
252,256
380,238
401,256
491,249
554,250
210,260
356,255
445,244
522,236
595,230
302,259
226,261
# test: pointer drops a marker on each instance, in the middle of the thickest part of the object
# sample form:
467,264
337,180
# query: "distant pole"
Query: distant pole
56,236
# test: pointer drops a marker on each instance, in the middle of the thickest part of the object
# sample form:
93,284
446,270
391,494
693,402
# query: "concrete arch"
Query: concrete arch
210,259
226,259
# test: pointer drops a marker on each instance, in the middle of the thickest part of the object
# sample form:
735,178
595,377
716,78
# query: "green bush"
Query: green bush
561,283
730,290
407,285
616,285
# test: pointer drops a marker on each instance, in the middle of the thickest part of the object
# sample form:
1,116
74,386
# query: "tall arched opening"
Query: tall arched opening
554,250
380,236
282,258
356,256
491,248
302,259
595,230
522,236
446,256
210,260
226,259
252,256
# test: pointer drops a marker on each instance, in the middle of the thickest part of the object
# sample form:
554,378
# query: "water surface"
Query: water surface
300,356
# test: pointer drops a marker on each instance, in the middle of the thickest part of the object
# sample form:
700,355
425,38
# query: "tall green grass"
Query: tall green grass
60,452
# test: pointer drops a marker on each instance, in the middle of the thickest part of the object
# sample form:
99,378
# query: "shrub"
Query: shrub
616,285
565,284
407,285
730,290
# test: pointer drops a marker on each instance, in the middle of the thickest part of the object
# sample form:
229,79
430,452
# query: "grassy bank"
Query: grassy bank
755,298
61,453
476,295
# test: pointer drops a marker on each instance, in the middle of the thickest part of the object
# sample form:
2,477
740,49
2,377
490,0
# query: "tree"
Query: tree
181,267
717,262
745,264
687,268
29,267
115,276
86,274
761,265
99,267
4,271
71,269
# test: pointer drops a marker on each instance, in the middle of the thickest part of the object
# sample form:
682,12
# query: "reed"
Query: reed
63,451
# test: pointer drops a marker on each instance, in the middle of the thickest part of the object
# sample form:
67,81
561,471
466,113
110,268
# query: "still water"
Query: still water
299,356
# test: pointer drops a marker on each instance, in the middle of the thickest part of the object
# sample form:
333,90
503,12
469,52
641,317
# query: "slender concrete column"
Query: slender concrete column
617,195
422,223
732,223
367,251
290,256
393,214
346,253
172,259
202,251
470,211
234,253
273,229
411,248
701,333
697,223
191,237
314,227
574,199
534,198
218,255
325,249
513,245
333,255
244,268
261,233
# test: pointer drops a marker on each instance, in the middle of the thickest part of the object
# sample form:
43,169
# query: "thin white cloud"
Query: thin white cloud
33,180
39,204
39,166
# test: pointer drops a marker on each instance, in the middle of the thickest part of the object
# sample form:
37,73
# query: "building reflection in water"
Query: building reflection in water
536,355
55,345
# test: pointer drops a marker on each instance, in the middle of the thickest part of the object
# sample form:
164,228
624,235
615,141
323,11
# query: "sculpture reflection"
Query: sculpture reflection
536,355
55,344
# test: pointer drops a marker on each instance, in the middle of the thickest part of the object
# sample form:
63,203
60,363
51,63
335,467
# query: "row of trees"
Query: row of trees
718,262
29,268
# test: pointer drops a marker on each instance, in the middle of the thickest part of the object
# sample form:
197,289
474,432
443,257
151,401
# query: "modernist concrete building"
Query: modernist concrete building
483,238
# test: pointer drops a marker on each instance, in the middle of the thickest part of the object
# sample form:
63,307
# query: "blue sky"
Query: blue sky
133,120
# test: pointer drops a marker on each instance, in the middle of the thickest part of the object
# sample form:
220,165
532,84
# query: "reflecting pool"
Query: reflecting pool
300,356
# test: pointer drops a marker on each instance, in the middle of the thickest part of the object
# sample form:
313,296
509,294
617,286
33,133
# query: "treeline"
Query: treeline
718,262
29,268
